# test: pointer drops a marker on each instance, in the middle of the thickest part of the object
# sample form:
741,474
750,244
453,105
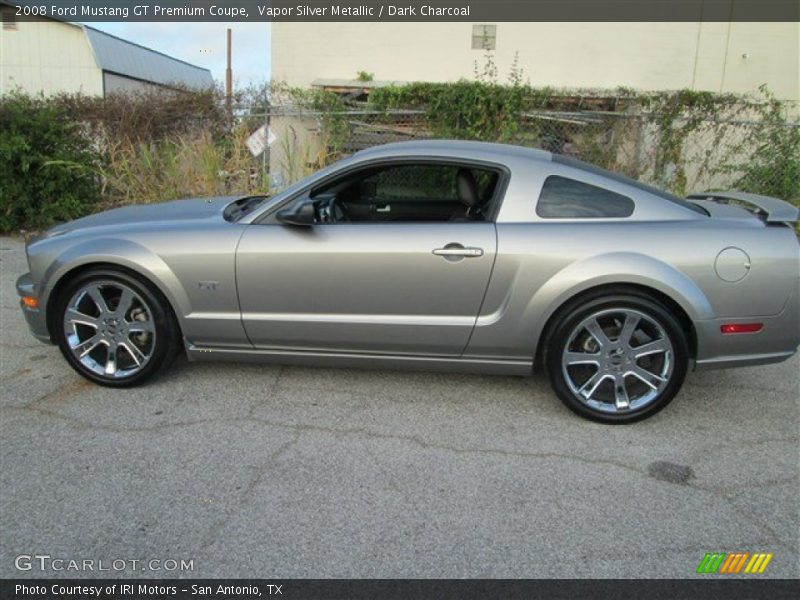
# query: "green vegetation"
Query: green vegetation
748,142
47,165
774,166
66,156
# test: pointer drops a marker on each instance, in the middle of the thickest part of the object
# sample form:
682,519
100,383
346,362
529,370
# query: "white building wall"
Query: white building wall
720,57
47,56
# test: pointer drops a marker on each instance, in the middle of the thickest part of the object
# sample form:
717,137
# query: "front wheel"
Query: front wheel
617,359
115,329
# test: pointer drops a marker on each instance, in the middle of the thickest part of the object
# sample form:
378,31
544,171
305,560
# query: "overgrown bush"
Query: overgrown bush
483,109
774,167
190,164
48,170
64,156
147,115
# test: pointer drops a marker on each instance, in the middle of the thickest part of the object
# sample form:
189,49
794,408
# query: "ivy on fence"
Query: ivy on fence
749,142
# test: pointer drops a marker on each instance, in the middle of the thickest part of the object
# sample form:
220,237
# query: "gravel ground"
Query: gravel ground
285,472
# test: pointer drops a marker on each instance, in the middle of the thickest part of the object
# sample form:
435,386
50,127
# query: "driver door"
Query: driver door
372,286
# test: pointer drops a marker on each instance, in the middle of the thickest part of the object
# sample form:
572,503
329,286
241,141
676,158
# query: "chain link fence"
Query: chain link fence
713,154
155,147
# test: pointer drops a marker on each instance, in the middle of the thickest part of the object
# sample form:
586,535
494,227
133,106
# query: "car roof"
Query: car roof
503,153
454,147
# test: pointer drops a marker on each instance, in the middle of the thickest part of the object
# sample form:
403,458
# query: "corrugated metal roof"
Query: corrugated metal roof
132,60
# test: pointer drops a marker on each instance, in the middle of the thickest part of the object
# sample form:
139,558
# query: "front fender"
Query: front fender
121,252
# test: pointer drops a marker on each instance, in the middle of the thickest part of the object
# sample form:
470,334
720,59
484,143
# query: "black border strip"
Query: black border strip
491,11
404,589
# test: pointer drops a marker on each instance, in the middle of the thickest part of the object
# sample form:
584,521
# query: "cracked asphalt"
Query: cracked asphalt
282,472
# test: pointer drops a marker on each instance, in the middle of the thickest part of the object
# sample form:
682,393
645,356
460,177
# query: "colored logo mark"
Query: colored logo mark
734,563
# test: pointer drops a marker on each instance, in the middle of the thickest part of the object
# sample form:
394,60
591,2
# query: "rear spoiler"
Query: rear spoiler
773,209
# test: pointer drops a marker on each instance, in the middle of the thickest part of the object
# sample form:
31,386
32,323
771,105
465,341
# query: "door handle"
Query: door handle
458,251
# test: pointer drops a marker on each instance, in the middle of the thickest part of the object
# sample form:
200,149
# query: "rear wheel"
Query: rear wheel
617,358
115,329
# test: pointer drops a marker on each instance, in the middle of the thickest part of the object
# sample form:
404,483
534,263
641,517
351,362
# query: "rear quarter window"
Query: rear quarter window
564,198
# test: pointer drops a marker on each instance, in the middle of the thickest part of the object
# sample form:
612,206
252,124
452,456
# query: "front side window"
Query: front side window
564,198
409,192
416,183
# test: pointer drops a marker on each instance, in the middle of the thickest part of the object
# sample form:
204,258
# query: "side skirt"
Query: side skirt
361,361
748,360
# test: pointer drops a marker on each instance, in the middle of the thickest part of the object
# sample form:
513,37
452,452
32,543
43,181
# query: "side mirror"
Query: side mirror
300,213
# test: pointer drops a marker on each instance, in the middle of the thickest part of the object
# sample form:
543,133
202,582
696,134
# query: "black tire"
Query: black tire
570,319
164,345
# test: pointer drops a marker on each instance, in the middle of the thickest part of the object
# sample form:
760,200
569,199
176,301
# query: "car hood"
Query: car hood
175,210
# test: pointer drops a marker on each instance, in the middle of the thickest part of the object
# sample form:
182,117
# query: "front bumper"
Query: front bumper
35,317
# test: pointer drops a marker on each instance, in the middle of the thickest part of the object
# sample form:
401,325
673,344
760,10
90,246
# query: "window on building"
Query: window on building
564,198
484,37
9,18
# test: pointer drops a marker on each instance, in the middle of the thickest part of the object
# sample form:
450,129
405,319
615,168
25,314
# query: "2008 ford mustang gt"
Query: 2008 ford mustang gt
435,254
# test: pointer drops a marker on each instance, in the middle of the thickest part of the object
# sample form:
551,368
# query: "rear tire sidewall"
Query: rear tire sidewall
167,335
570,319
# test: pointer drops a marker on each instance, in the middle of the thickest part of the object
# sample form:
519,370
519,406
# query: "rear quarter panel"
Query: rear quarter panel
540,265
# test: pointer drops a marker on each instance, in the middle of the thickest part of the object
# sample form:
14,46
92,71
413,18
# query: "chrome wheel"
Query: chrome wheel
617,360
109,329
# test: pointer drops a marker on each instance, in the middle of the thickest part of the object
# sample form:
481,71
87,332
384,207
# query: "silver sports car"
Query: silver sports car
439,255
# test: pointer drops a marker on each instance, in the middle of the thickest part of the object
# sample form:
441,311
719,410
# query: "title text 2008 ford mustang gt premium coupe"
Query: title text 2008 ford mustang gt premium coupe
433,254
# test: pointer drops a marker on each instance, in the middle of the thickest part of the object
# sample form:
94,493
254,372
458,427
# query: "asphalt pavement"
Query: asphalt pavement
283,472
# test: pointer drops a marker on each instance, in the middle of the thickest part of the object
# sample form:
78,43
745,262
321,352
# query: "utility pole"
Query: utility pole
229,79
